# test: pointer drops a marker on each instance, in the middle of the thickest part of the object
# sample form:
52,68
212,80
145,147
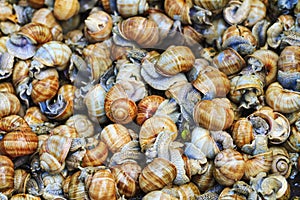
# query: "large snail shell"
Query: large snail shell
282,100
21,178
229,61
102,180
141,30
118,107
94,101
229,167
129,8
157,174
152,127
65,9
242,132
180,8
147,107
236,12
212,83
10,104
115,136
216,114
7,173
38,33
175,59
258,163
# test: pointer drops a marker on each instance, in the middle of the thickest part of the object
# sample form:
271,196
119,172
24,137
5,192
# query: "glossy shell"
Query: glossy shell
64,9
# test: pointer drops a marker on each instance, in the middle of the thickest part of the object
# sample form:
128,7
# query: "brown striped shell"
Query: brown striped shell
152,127
115,136
215,114
10,104
38,33
239,30
157,174
129,8
83,125
258,11
229,167
95,155
212,5
6,173
65,9
180,8
289,59
147,107
242,132
175,59
141,30
7,87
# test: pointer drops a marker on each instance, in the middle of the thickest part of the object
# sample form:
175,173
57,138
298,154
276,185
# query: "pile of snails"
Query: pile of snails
145,99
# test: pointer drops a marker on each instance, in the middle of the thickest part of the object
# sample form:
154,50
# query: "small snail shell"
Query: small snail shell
7,173
228,61
45,86
157,174
212,83
206,180
115,136
152,127
20,72
118,107
216,114
180,8
281,163
84,127
54,54
10,104
242,132
74,187
257,12
95,155
129,8
102,180
229,167
64,9
158,194
38,33
175,59
258,163
64,130
21,178
147,107
98,26
236,12
34,116
294,139
212,5
282,100
7,87
141,30
239,30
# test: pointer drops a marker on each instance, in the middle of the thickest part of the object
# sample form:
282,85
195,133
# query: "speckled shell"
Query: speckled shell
10,104
229,167
141,30
6,173
175,59
242,132
152,127
282,100
215,114
65,9
157,174
102,180
115,136
147,107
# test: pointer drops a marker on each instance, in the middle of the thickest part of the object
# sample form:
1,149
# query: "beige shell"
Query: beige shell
179,8
10,104
83,125
7,173
129,8
242,132
258,11
212,5
38,33
115,136
157,174
216,114
152,127
65,9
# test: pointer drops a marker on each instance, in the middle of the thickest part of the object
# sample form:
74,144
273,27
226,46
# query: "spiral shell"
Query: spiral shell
212,5
282,100
215,114
7,87
95,155
257,12
7,173
10,104
115,136
74,187
242,132
239,30
38,33
157,174
129,8
141,30
281,161
84,127
147,107
152,127
64,10
180,8
175,59
226,162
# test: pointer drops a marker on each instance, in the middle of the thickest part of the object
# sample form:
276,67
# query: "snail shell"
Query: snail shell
102,180
129,8
180,8
118,107
242,132
147,107
158,194
64,9
175,59
24,197
7,173
212,5
74,187
281,163
212,83
84,127
293,140
236,12
206,180
282,100
226,162
141,30
157,174
21,177
7,87
239,30
258,11
10,104
152,127
38,33
216,114
115,136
